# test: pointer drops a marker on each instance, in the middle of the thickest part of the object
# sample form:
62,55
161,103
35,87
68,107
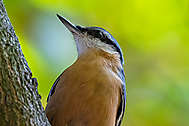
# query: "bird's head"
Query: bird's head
93,37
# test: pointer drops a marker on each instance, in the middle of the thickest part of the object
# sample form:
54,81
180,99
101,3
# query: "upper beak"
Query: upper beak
71,27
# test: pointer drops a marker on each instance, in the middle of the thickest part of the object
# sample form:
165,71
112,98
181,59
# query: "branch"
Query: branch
19,100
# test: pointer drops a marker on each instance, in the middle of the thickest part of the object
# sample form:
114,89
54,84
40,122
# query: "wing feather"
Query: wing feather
121,108
53,87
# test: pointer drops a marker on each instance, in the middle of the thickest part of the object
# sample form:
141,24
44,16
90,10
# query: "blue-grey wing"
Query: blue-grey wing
53,87
122,106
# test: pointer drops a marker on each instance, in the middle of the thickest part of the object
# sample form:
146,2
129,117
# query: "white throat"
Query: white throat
84,42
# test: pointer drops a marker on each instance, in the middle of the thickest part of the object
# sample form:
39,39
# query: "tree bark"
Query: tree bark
20,103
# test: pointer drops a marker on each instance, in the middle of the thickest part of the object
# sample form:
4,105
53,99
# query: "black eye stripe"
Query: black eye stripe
102,37
96,34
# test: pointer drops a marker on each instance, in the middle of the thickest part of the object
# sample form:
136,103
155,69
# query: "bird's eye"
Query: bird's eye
96,34
101,35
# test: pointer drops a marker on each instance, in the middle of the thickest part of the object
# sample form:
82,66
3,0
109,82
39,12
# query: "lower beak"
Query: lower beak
71,27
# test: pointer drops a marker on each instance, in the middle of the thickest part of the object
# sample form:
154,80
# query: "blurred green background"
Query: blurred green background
153,34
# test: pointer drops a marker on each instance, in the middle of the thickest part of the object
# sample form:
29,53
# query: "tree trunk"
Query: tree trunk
20,103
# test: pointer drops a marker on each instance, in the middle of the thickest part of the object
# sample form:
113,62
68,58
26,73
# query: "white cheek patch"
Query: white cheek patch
85,42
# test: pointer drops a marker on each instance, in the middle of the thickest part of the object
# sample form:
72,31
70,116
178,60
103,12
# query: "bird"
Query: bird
92,91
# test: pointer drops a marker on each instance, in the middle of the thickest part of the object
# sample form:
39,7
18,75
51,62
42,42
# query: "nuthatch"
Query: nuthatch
91,92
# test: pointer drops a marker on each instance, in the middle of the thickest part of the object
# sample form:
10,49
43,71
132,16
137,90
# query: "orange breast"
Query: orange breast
88,94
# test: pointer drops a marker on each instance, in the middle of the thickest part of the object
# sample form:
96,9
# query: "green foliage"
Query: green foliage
153,35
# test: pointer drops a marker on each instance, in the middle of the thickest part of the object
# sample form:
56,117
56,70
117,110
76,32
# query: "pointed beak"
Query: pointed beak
71,27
